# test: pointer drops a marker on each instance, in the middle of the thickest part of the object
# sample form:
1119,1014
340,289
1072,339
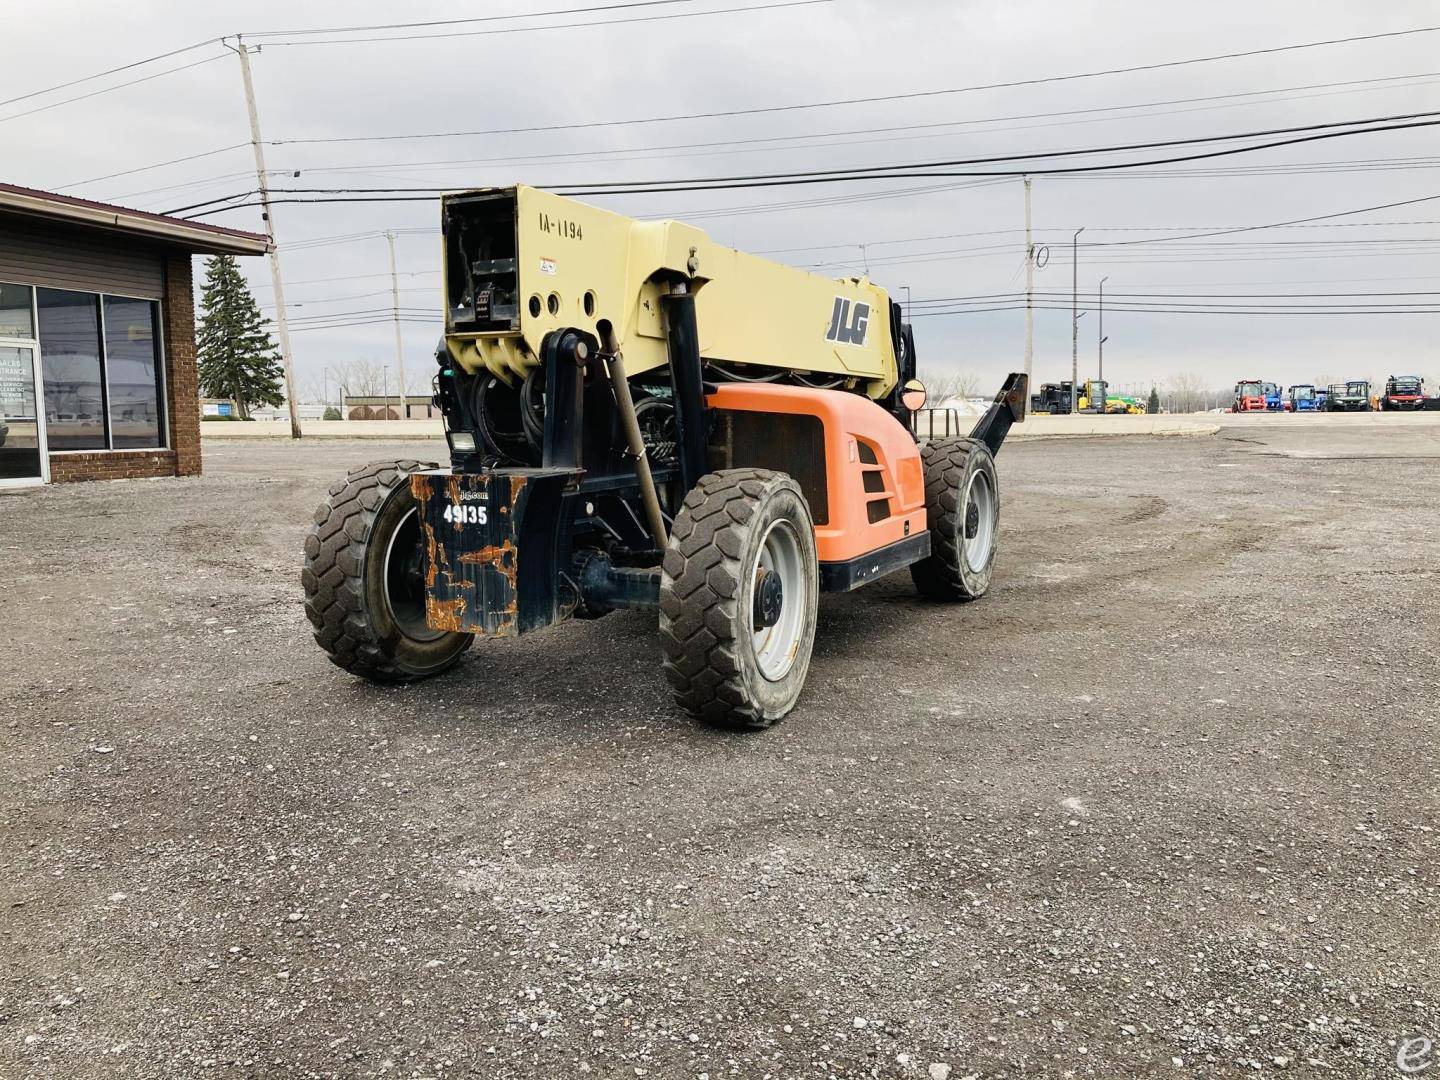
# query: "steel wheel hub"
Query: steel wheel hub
777,625
769,599
980,514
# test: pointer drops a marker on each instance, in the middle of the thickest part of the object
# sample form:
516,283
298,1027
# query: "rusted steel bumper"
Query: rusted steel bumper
494,543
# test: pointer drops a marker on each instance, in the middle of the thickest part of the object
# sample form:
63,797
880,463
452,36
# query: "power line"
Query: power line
1275,225
777,144
905,169
864,100
158,165
431,290
111,71
296,33
660,187
108,89
555,26
355,40
1060,294
581,156
460,22
382,320
763,144
656,187
1183,311
345,277
1089,228
1182,301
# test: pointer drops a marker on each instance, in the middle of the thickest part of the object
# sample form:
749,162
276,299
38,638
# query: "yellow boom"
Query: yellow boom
520,262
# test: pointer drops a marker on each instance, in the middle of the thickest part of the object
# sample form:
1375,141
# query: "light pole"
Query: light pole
340,384
384,391
1029,291
1075,319
1100,332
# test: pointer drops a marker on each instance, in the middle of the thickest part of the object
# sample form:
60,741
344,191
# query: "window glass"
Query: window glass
15,318
132,354
19,431
70,361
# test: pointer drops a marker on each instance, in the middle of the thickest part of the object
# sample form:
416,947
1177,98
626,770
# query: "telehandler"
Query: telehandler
640,418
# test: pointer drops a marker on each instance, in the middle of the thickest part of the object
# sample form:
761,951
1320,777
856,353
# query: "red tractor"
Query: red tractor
1249,396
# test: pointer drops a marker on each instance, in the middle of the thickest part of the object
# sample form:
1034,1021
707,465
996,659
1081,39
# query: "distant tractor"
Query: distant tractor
1053,398
1403,392
1352,396
1322,396
1303,398
1249,396
1094,397
1273,401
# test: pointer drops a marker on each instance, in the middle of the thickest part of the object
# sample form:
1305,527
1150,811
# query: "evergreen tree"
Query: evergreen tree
1153,406
236,355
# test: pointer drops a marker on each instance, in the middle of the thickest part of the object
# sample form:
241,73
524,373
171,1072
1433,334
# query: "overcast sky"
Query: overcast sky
789,56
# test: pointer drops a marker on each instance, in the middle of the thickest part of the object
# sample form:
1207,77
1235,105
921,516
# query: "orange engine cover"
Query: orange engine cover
860,470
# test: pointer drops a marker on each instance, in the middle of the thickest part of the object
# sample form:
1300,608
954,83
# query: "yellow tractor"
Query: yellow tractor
1093,397
638,417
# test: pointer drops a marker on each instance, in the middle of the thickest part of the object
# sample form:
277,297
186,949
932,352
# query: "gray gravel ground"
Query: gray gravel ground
1163,804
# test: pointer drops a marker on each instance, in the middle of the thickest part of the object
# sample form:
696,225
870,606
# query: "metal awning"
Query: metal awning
173,232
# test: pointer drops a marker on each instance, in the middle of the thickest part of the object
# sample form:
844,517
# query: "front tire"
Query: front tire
962,505
739,592
364,589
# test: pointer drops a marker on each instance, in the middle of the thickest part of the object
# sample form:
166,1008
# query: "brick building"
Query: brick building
97,338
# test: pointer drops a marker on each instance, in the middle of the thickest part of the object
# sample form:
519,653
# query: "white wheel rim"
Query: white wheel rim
776,646
980,494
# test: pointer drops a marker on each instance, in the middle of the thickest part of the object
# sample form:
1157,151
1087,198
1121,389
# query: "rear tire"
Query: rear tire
739,533
362,578
962,505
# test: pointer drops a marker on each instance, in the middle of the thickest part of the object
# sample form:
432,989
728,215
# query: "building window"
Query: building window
132,367
100,363
71,369
16,320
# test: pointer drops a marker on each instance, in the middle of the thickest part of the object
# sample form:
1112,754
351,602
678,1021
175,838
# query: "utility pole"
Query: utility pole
1075,319
395,300
1030,293
282,325
1100,333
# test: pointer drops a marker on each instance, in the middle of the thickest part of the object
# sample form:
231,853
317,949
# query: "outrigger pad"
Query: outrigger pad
491,544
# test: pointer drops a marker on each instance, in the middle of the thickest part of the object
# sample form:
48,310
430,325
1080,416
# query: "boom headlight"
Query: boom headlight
461,442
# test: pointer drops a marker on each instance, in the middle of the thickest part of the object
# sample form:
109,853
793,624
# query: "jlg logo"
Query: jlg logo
848,327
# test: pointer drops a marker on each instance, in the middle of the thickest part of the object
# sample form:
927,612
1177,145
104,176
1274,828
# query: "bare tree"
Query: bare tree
944,385
363,378
318,390
1185,392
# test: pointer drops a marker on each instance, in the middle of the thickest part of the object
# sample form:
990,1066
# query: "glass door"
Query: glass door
22,457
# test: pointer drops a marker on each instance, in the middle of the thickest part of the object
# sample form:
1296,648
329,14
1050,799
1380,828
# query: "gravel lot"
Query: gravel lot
1163,804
